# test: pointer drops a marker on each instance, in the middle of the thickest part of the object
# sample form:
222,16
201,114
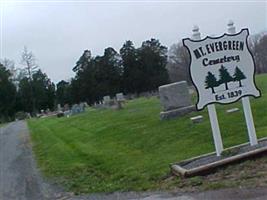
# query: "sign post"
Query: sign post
222,70
246,103
211,110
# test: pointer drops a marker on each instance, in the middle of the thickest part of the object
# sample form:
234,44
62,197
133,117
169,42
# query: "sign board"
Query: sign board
222,68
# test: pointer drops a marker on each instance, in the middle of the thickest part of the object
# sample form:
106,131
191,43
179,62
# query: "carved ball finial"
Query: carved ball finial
231,27
230,23
195,28
196,34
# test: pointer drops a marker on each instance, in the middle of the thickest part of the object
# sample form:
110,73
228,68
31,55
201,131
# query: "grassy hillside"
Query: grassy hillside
130,149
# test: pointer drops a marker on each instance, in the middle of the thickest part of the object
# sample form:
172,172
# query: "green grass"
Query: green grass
130,149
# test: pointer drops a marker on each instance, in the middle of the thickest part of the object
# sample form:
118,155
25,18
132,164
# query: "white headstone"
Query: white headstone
120,97
106,100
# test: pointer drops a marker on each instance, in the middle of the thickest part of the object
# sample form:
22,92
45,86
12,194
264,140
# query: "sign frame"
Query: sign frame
216,38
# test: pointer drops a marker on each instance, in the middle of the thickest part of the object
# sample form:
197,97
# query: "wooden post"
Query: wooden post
245,102
211,110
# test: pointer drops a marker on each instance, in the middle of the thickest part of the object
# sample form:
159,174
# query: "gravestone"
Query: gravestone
175,100
77,108
67,113
66,107
82,107
74,109
106,101
120,99
59,108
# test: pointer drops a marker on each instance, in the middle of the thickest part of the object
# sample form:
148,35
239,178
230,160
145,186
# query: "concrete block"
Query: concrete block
197,119
176,112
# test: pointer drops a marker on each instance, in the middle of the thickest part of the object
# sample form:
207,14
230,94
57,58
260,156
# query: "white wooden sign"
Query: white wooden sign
222,68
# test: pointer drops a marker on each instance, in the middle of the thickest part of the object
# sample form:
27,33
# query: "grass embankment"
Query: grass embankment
130,149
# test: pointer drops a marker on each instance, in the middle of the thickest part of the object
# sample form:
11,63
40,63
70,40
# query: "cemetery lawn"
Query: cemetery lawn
130,150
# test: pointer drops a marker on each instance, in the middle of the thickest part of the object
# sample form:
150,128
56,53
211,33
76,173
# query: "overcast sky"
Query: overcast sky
58,33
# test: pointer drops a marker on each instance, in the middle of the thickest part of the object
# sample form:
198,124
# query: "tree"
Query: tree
30,67
83,61
211,82
8,64
132,81
153,59
83,86
239,75
97,77
108,72
225,77
178,63
29,62
43,91
24,95
258,47
260,54
131,71
63,93
7,95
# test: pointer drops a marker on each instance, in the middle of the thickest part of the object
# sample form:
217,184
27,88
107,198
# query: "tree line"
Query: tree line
130,70
25,89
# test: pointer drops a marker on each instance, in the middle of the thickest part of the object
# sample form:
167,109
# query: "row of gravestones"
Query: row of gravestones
111,103
75,109
142,94
175,99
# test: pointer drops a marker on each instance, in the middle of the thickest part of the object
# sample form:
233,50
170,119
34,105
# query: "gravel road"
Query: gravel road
20,179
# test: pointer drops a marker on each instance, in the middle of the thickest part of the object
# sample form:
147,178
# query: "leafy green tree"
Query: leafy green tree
63,93
211,82
97,77
83,86
7,95
43,90
239,76
83,61
225,77
24,95
108,73
132,73
153,59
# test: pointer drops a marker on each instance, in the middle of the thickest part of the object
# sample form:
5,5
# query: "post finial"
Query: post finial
230,23
231,27
195,28
196,33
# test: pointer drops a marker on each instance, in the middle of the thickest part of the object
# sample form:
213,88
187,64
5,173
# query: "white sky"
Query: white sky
59,32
